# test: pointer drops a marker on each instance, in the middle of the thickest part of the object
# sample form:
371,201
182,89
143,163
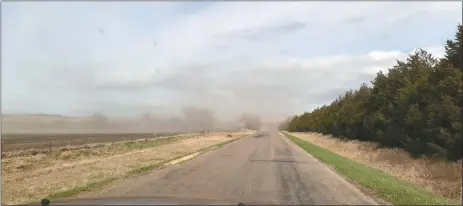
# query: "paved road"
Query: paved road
255,170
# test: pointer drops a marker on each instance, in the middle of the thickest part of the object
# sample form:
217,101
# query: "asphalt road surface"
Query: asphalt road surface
265,169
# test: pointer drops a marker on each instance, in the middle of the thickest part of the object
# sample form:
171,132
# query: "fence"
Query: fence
15,142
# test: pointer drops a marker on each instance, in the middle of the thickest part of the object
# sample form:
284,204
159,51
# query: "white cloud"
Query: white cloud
436,51
273,58
382,55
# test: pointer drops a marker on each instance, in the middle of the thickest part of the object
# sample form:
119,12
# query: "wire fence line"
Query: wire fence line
18,142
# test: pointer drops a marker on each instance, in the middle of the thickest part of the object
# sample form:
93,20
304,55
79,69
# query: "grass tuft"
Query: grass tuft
77,190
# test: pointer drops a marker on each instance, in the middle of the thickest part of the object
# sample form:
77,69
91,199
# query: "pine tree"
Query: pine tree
417,105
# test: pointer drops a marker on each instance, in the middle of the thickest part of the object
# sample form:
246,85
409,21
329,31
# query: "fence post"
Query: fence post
49,148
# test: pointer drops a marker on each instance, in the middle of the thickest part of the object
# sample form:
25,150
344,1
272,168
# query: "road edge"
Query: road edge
351,184
385,188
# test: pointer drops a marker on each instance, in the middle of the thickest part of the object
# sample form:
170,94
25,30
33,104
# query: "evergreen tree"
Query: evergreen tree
417,106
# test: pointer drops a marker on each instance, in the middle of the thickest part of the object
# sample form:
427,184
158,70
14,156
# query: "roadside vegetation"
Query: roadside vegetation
416,106
30,176
391,174
408,125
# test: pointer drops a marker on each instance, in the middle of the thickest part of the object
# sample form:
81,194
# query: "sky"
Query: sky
270,58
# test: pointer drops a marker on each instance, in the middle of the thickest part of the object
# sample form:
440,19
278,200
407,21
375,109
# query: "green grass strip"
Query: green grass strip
385,186
76,190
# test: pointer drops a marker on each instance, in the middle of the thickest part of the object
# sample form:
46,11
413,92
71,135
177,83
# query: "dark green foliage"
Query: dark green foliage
415,106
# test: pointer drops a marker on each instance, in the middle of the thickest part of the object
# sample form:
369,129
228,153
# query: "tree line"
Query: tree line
416,106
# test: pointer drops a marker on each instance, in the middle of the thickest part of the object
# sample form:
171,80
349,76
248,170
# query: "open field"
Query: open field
63,173
12,142
388,172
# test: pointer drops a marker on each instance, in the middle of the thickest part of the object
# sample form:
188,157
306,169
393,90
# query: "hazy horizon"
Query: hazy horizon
273,59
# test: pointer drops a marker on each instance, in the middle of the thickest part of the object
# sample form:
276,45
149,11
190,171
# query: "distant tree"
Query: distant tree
453,49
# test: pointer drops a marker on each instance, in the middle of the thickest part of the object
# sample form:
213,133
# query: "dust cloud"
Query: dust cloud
191,119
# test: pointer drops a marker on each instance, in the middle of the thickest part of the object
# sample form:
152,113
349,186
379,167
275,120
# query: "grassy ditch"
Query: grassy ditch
383,185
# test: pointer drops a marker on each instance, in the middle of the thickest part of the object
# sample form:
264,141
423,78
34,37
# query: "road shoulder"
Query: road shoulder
383,187
336,178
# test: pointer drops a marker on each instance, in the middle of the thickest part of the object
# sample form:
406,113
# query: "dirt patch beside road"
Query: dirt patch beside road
29,178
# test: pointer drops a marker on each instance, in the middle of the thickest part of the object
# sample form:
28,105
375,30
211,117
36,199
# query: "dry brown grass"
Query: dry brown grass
31,177
35,151
439,177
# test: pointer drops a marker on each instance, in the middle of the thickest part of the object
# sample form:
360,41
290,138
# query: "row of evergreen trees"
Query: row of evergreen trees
415,106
